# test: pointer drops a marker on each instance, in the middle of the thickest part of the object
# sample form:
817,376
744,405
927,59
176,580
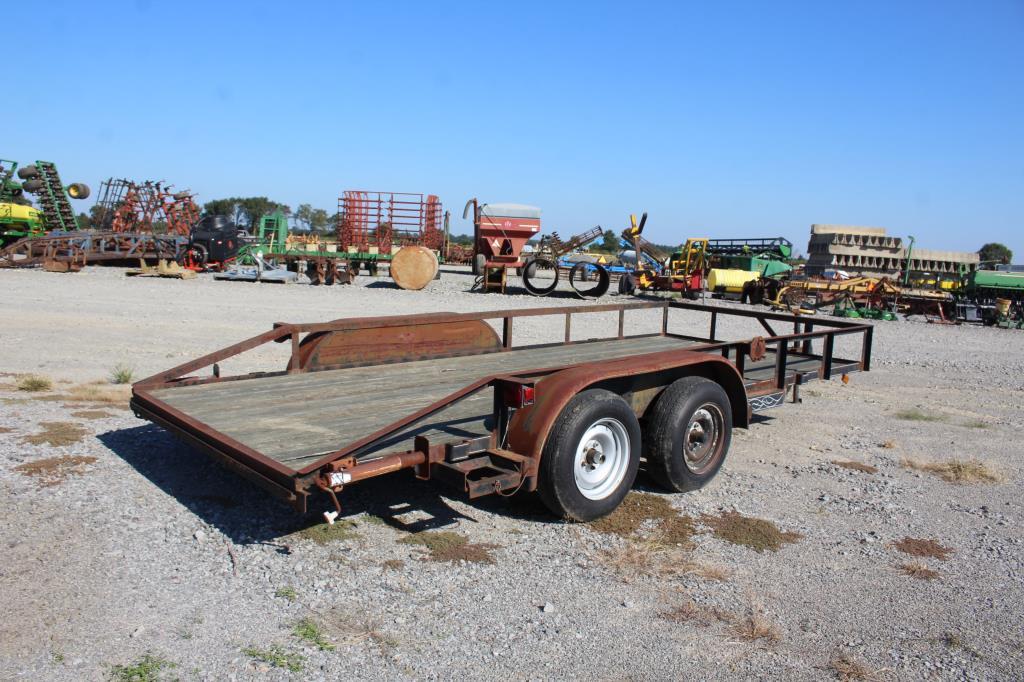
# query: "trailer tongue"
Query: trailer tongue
452,399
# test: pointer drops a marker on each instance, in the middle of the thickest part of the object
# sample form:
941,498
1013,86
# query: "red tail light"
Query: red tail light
517,395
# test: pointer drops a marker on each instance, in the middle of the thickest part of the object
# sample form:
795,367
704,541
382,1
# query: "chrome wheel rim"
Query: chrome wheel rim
602,457
702,436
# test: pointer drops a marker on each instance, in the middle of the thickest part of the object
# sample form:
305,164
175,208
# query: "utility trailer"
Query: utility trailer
456,401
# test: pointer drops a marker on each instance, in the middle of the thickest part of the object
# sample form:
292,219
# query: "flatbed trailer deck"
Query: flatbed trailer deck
449,397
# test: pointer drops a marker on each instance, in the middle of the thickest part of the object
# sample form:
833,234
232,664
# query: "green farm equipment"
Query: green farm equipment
18,219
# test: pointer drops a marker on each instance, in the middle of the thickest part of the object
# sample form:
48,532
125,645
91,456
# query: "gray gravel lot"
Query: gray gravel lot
150,548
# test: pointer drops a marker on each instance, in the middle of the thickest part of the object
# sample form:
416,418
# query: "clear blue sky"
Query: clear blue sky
719,119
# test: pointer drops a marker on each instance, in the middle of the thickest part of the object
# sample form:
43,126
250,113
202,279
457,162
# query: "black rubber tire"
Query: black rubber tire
78,190
33,185
600,288
666,429
627,285
28,172
530,270
557,481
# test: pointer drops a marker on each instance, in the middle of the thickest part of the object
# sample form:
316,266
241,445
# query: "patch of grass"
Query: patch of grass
326,533
91,414
52,471
98,393
58,657
637,509
121,374
451,547
915,569
146,669
393,564
308,630
757,534
855,466
754,626
288,592
4,429
653,559
976,424
916,415
887,444
347,631
33,383
955,470
277,657
923,547
848,669
57,434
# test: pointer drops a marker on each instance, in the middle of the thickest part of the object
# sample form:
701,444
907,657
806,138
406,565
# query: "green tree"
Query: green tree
244,211
995,253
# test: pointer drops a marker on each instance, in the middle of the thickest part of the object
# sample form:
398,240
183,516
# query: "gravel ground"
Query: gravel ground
139,546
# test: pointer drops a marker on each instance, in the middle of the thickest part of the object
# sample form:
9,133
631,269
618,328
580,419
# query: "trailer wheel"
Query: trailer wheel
688,434
591,456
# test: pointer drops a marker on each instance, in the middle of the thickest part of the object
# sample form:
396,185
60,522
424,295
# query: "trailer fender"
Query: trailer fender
646,376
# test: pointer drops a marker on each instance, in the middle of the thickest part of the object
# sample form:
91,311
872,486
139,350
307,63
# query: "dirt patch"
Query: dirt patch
923,547
639,509
698,614
4,429
916,569
57,434
53,470
848,669
326,533
757,534
887,445
855,466
451,547
916,415
91,414
393,564
955,470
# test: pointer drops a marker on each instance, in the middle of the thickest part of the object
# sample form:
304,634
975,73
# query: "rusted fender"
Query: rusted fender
650,373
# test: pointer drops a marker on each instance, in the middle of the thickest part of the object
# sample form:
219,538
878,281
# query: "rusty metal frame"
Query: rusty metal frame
292,484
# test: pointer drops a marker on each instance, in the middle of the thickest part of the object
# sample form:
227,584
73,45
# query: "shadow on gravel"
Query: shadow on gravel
249,515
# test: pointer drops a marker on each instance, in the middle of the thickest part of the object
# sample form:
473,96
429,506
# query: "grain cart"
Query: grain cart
500,231
456,401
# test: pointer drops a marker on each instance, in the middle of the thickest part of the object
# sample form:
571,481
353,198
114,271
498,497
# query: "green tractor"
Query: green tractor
18,218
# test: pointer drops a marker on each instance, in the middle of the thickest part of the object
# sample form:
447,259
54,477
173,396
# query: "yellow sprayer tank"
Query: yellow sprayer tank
730,281
19,213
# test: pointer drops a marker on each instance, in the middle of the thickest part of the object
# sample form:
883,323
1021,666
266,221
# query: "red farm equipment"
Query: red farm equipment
372,226
500,231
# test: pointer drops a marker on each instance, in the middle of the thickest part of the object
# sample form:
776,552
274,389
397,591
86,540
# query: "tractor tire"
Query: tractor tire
32,186
78,190
687,436
28,172
627,285
591,456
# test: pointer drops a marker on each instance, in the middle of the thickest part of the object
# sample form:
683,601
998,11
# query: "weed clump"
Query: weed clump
451,547
393,564
922,547
91,414
309,631
847,669
915,569
277,657
698,614
639,508
754,625
855,466
52,471
916,415
757,534
121,374
326,533
653,559
287,592
57,434
33,383
955,470
146,669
